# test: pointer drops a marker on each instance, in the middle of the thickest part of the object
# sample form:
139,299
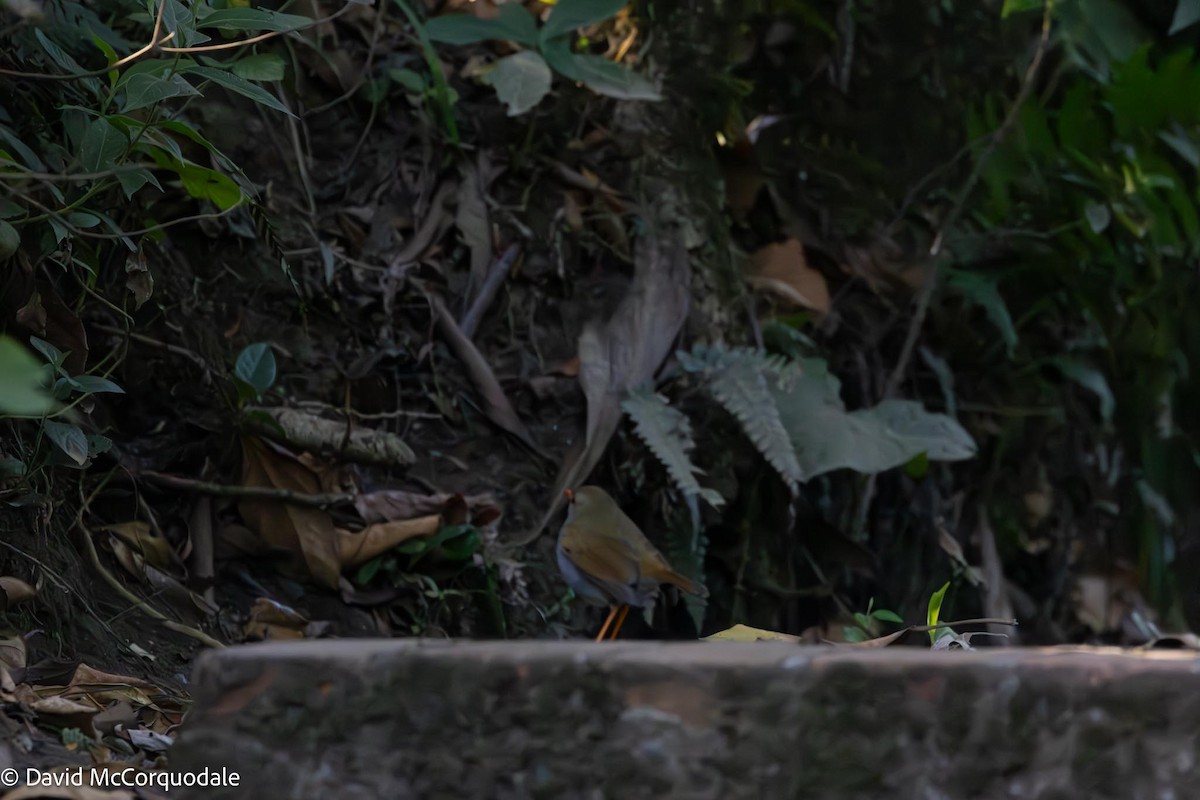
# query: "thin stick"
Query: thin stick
487,293
251,492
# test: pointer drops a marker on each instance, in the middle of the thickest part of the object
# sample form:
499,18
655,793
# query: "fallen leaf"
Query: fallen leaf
783,269
626,351
744,633
358,548
306,532
14,591
145,542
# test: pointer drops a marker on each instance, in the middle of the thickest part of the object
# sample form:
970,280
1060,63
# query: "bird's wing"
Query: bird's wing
607,561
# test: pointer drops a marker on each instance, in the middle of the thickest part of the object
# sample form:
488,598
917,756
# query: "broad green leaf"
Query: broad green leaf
10,240
133,179
253,19
98,444
569,15
884,615
826,437
610,79
52,354
83,219
853,635
178,18
94,384
260,67
59,56
1187,14
69,438
520,80
208,184
27,155
146,89
22,381
187,131
512,22
256,366
239,85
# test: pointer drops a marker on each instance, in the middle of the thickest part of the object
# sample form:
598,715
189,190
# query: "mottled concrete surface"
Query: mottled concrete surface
372,719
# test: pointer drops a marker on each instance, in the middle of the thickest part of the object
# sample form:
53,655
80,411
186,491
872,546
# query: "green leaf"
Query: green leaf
93,384
256,366
983,291
935,610
826,437
513,23
368,571
53,355
69,438
1187,14
568,15
146,89
606,77
853,635
411,81
883,615
1017,6
520,80
1091,379
98,444
133,179
862,620
208,184
260,67
103,143
239,85
10,240
22,381
253,19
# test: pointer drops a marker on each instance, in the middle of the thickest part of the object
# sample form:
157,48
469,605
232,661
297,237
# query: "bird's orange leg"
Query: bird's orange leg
612,612
620,621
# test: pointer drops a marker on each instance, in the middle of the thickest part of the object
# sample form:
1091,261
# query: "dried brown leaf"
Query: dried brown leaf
14,591
306,532
783,269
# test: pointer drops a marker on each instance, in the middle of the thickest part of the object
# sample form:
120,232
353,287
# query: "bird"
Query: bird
608,561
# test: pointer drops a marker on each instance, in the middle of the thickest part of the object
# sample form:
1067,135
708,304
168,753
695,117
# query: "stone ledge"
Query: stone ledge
400,719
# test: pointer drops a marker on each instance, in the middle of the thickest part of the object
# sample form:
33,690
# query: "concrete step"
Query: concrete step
412,719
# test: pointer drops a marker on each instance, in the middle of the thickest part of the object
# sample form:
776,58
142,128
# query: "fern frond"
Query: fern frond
668,434
738,379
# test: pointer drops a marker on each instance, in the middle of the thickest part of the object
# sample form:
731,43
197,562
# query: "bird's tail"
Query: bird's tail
683,582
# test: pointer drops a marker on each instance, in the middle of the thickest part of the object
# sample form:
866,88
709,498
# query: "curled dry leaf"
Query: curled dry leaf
359,548
627,350
66,713
270,620
309,533
143,540
14,591
388,505
12,653
783,270
308,432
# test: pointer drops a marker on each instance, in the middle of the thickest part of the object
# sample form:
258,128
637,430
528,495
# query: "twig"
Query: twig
170,348
94,557
487,293
252,492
